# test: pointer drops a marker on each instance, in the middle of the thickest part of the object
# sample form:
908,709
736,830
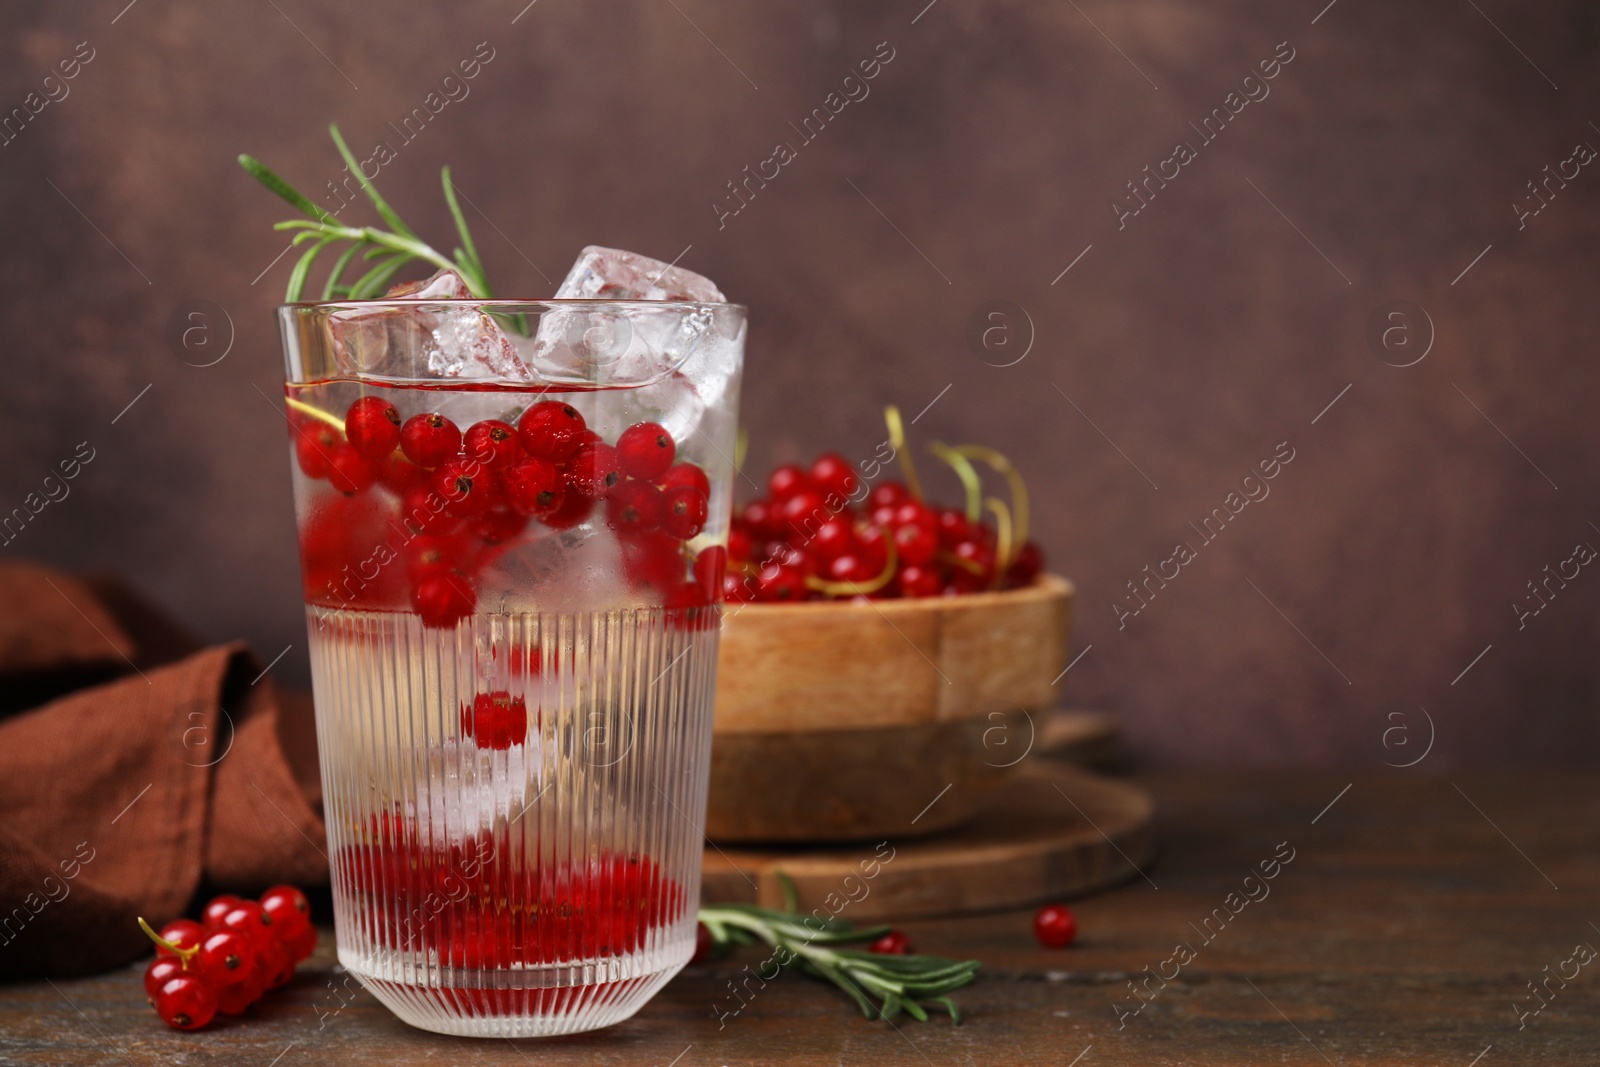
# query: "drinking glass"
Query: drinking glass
513,641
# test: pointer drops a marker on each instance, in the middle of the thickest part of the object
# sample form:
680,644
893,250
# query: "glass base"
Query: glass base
529,1010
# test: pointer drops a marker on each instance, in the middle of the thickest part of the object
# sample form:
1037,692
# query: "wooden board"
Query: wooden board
1053,831
1085,738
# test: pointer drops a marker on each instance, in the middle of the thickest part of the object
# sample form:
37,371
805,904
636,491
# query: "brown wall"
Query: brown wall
1212,326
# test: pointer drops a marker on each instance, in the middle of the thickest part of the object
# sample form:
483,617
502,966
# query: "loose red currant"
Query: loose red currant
684,515
186,1002
893,943
634,507
495,720
467,487
709,567
302,946
702,943
349,471
162,970
571,509
372,426
1055,926
888,495
778,582
686,474
250,920
786,480
429,440
533,486
289,909
492,443
646,450
551,430
832,474
226,957
593,470
916,544
313,448
917,581
833,538
443,599
181,933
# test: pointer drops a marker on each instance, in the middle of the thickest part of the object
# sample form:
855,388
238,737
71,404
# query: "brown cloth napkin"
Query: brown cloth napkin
120,797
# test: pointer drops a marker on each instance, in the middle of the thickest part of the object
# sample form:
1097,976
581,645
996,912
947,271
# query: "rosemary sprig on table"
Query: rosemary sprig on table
881,985
387,250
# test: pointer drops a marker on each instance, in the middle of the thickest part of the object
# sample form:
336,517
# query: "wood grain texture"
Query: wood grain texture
1051,832
789,668
1400,935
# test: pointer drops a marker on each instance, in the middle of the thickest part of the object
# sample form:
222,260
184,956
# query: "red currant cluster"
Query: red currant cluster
464,498
817,536
228,960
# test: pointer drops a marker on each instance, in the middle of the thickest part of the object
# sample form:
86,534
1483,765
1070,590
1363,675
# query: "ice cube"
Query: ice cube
612,274
429,341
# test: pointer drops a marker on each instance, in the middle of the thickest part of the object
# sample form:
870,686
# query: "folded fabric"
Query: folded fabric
119,798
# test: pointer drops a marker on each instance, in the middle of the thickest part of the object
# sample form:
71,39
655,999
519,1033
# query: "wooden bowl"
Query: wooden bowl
841,721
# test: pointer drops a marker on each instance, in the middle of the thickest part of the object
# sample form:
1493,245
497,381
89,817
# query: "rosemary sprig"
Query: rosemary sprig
882,986
388,251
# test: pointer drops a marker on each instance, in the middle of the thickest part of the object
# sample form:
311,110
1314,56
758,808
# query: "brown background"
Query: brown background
1197,338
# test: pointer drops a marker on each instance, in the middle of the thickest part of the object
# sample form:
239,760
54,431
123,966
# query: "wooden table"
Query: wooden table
1404,931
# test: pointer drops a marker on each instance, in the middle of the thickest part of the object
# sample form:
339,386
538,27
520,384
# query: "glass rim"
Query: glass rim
501,303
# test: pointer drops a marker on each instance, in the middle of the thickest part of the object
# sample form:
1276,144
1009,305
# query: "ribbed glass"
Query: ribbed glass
514,783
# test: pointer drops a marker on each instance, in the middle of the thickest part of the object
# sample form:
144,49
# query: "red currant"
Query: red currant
399,475
424,511
781,583
850,568
1055,926
635,507
738,587
495,720
873,545
893,943
684,513
916,544
251,921
976,575
709,567
499,525
289,909
186,1002
916,581
686,474
739,544
313,448
572,509
646,450
181,933
533,486
302,946
372,426
551,430
654,559
467,487
833,538
226,957
492,443
832,474
593,469
888,495
1026,565
764,518
349,471
786,480
162,970
702,943
443,598
276,964
429,440
234,999
953,527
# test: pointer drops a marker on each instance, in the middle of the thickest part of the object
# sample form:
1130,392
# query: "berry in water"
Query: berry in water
429,440
492,443
532,486
686,474
551,430
443,598
634,507
372,426
495,720
593,471
467,487
349,471
646,450
1055,926
684,514
313,448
